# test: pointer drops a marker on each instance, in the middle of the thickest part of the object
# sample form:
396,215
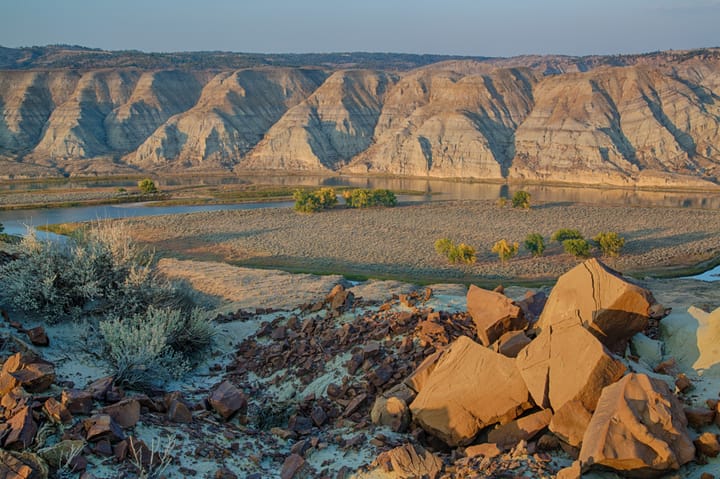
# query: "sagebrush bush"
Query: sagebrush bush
365,198
505,250
102,271
566,234
152,347
610,243
312,201
535,243
579,248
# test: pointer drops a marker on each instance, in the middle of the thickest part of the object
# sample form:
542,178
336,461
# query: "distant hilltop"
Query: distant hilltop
649,120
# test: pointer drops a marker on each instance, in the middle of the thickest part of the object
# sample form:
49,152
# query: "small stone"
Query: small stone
225,473
319,416
56,411
487,449
707,443
100,388
126,413
38,337
682,383
179,412
22,430
77,401
227,400
102,426
293,463
699,416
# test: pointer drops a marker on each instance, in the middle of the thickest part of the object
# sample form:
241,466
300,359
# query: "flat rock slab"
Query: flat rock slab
638,429
470,388
522,429
692,338
247,287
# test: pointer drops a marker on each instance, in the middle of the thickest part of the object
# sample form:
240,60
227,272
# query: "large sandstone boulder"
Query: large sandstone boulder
602,301
470,388
638,429
567,363
522,429
406,462
692,338
494,314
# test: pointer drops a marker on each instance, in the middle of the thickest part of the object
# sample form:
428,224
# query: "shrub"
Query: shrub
312,201
460,253
610,243
443,246
502,202
147,186
577,247
505,250
364,198
152,347
98,272
535,243
521,199
566,234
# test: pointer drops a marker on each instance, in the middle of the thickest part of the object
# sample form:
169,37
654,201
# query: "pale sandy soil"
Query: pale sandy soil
398,242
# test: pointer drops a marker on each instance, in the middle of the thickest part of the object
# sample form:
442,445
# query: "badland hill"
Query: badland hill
644,120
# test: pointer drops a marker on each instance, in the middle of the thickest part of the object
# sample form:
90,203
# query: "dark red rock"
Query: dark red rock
292,465
102,426
179,412
56,411
100,388
227,400
35,377
319,416
38,337
699,416
126,413
77,401
22,430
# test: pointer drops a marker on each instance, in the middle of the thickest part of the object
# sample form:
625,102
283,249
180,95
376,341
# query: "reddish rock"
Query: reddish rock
707,444
683,383
56,411
126,413
22,466
638,429
408,461
471,388
319,416
342,301
565,363
77,401
392,412
525,428
601,300
354,404
227,400
570,422
532,305
35,377
494,314
22,430
699,416
511,343
292,465
486,449
102,426
179,412
100,388
38,337
8,382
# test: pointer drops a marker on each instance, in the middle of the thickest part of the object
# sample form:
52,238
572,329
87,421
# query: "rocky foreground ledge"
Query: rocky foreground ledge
596,378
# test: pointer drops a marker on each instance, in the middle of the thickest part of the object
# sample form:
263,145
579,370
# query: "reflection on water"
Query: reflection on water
433,189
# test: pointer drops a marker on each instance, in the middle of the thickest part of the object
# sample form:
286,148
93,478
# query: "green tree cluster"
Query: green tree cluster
365,198
535,243
505,250
521,199
147,186
610,243
312,201
455,253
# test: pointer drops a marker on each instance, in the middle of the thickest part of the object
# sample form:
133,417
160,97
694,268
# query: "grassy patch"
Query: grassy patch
65,229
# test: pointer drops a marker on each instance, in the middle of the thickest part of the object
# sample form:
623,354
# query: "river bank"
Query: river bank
397,243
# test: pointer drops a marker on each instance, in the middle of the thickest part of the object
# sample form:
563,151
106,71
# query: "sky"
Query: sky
453,27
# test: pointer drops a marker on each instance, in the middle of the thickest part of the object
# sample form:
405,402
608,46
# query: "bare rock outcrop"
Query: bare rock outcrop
470,388
567,363
598,298
638,429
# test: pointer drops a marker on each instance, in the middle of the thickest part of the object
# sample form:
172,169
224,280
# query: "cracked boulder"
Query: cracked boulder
567,363
470,388
638,430
600,299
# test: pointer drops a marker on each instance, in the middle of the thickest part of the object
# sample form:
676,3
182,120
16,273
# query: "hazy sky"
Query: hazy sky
463,27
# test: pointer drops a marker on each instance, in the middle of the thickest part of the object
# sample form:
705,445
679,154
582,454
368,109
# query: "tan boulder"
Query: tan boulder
408,462
485,449
567,363
602,301
511,343
494,314
392,412
525,428
419,377
471,388
638,429
570,422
